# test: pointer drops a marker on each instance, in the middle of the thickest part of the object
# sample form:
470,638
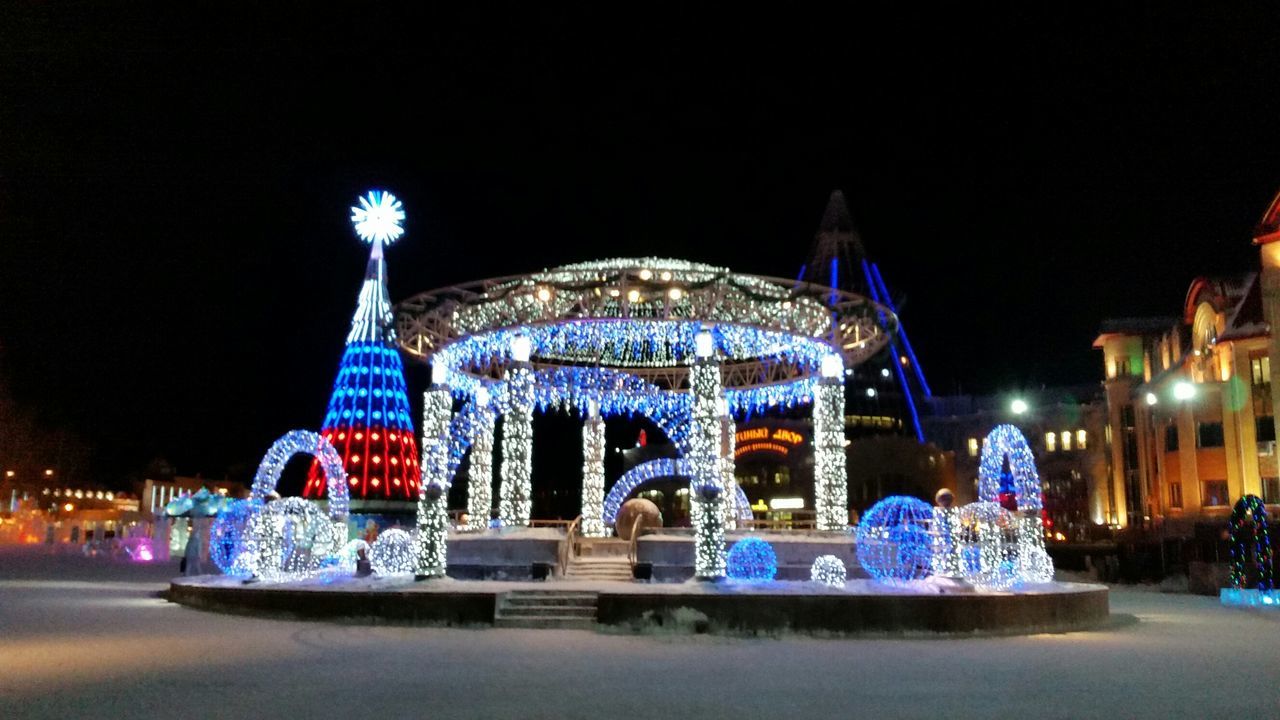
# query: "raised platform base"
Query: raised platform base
861,607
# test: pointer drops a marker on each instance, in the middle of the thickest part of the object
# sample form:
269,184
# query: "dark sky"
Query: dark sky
177,269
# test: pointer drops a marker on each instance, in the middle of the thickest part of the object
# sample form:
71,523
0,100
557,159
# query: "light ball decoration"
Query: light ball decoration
393,553
378,217
293,538
988,536
752,560
828,570
1007,441
893,541
227,536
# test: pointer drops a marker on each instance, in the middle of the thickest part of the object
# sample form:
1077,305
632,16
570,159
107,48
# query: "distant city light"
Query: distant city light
1152,399
1183,390
871,392
1018,406
884,373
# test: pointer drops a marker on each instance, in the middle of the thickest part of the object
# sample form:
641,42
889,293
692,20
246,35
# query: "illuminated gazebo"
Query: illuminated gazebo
687,345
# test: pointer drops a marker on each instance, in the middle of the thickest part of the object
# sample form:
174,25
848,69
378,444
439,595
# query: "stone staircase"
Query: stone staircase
547,609
598,568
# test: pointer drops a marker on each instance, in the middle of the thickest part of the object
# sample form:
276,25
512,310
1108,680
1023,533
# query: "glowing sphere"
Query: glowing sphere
893,541
378,217
226,537
392,553
989,545
828,570
293,538
753,560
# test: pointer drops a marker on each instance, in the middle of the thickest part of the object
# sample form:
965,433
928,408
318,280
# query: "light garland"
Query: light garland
893,542
293,539
303,442
828,570
1006,441
1034,563
734,504
989,555
227,536
752,560
1250,512
704,465
433,516
653,470
480,469
830,477
946,547
515,503
393,552
593,449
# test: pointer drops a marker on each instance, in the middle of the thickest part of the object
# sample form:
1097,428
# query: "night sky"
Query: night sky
178,271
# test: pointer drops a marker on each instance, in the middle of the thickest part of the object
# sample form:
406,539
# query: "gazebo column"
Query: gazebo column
433,515
515,502
480,467
593,473
707,491
830,478
728,466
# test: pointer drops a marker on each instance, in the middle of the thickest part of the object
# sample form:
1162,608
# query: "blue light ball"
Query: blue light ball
753,560
893,540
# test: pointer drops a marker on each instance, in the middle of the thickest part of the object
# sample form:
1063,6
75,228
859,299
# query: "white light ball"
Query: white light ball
392,553
828,570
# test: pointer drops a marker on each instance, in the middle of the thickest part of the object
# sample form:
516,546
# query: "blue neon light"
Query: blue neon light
897,366
902,330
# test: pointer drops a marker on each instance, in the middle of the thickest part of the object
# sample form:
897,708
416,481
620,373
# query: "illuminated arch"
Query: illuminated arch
654,470
1007,441
304,442
1250,516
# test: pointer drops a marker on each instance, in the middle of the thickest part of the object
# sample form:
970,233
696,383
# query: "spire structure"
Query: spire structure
368,418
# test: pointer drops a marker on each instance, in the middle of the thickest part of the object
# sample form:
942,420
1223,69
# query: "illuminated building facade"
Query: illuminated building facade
1190,400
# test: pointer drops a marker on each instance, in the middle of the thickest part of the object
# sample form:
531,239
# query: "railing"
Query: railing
553,523
756,524
566,550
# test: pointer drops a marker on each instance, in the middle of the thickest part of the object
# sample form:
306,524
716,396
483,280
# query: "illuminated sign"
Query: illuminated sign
760,506
787,503
779,441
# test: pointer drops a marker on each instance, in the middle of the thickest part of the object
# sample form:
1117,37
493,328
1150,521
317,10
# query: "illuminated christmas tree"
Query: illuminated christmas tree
368,418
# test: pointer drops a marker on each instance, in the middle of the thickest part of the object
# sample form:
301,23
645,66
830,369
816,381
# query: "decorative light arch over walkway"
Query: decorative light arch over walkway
655,470
1007,441
304,442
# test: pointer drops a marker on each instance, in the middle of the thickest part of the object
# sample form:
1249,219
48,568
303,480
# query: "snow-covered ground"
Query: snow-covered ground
81,637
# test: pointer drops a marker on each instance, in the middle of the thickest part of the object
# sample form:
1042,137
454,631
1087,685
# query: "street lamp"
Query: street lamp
1183,390
48,472
1018,406
1152,399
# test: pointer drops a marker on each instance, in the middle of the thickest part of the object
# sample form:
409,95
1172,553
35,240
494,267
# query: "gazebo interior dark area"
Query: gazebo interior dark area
826,314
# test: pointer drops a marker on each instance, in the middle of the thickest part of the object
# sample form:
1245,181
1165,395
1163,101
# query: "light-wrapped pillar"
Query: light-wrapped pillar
515,502
433,515
707,491
593,473
831,490
728,467
945,560
480,468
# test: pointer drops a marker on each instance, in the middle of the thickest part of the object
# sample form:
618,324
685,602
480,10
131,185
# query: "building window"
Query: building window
1215,494
973,447
1170,437
1066,440
1209,434
1082,439
1260,369
1271,490
1265,428
1175,494
1051,442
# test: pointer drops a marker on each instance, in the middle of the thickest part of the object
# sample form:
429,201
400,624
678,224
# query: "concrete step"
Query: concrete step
548,611
546,623
551,601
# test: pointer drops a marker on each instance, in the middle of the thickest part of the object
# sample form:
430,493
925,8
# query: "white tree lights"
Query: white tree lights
830,483
707,493
515,503
480,470
378,218
593,446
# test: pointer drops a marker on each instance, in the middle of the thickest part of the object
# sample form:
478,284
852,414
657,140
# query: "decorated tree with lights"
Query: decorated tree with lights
368,417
